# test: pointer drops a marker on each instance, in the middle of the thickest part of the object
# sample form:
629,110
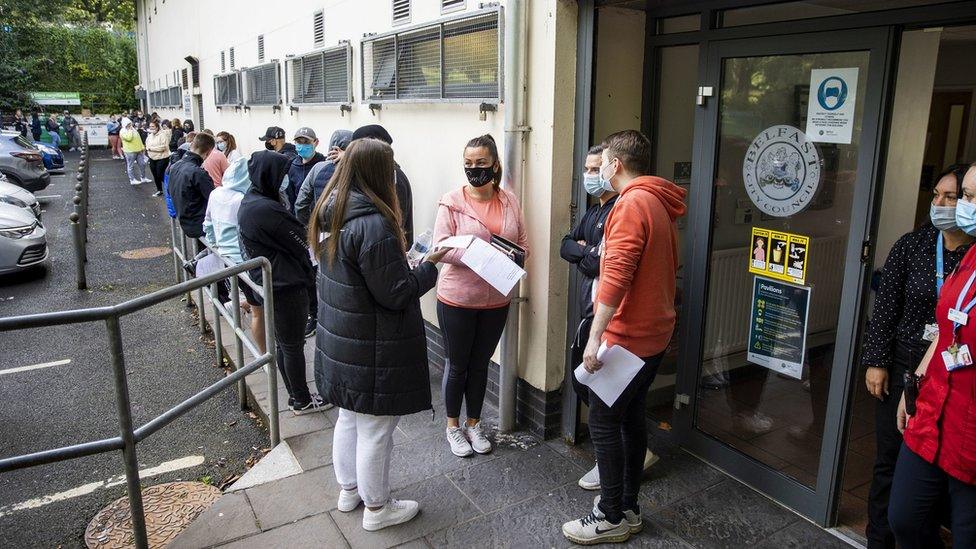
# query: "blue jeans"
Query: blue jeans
619,435
917,491
55,139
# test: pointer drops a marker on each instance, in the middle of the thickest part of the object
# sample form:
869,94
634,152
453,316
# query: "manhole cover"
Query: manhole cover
169,507
146,253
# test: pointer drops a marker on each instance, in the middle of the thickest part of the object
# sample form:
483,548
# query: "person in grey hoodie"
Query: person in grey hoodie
319,176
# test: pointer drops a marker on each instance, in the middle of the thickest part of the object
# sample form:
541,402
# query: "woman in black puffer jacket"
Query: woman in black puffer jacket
370,347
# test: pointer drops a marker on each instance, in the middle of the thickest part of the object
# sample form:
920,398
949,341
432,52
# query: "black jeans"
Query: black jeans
887,443
917,495
290,312
158,169
470,338
619,434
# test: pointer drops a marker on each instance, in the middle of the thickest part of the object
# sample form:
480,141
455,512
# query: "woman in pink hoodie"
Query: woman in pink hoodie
470,311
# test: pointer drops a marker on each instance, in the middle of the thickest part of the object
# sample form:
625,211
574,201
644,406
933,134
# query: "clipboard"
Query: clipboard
513,250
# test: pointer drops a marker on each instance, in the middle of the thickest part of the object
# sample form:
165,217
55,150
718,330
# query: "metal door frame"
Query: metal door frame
819,505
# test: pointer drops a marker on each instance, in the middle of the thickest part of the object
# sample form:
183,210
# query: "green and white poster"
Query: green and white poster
56,98
778,326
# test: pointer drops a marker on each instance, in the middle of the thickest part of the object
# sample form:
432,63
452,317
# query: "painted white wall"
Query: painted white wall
428,137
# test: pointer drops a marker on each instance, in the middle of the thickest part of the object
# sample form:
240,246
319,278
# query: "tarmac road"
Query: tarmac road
68,397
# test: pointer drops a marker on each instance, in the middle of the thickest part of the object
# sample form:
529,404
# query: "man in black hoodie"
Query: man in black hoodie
267,229
274,140
190,186
403,190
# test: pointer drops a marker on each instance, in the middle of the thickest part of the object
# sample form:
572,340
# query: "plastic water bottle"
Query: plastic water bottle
420,248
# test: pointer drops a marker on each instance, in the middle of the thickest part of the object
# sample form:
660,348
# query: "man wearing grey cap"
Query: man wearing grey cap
301,165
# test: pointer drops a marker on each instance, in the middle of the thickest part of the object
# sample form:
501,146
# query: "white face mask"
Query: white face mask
606,179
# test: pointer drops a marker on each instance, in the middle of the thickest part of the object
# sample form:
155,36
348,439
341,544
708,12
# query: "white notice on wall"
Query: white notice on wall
830,109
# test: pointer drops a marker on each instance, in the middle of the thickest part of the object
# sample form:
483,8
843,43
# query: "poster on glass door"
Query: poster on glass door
830,109
778,326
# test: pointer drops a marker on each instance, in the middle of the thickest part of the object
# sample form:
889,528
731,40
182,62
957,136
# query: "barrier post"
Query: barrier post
79,246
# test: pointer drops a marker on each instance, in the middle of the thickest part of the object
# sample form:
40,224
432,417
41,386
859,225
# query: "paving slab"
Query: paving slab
312,450
294,498
531,523
315,531
230,518
277,464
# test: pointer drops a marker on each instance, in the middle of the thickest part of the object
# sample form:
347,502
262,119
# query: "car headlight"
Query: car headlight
13,201
18,232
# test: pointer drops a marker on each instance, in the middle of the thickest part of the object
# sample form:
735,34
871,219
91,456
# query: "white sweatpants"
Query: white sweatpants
361,450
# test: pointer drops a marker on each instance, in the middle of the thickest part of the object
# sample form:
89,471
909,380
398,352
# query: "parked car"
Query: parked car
16,196
23,240
22,163
53,159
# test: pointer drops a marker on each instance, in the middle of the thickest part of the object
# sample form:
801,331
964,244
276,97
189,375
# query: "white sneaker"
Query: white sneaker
595,528
459,443
633,519
591,480
135,182
755,422
349,500
394,512
475,435
146,180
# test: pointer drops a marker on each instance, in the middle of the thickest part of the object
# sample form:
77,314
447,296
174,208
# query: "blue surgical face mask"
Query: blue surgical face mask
943,217
593,184
305,150
966,217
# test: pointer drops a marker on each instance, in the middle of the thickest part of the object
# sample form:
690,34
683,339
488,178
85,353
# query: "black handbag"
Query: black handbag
515,252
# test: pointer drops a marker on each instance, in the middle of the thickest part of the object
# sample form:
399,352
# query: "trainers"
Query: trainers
146,180
310,327
135,182
158,193
459,443
396,511
591,480
595,528
310,407
632,518
479,443
755,422
349,500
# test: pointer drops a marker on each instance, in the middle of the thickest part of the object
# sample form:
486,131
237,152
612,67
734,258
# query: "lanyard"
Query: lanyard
969,306
939,269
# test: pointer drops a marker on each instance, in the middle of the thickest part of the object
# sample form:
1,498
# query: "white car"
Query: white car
19,197
23,240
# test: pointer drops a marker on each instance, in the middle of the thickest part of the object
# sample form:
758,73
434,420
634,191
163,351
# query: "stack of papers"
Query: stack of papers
619,368
486,261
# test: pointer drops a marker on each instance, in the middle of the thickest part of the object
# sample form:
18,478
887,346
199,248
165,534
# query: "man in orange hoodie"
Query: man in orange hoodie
634,309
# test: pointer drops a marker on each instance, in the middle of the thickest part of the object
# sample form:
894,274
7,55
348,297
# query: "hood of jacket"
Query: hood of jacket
126,122
236,176
670,195
267,170
341,139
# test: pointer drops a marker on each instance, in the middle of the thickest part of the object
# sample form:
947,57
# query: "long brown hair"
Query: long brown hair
367,167
230,141
488,142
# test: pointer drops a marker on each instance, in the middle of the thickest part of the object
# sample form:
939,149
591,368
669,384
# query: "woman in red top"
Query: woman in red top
938,458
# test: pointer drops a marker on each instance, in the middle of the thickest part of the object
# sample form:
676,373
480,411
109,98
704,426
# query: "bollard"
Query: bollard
79,251
80,195
81,226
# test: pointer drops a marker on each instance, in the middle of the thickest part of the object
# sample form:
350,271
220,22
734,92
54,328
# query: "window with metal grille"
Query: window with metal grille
227,89
232,59
262,86
186,83
456,58
223,62
195,73
321,77
260,48
449,6
174,96
318,29
401,12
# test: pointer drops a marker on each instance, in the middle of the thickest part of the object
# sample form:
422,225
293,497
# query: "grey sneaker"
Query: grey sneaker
594,528
459,443
479,443
632,518
591,480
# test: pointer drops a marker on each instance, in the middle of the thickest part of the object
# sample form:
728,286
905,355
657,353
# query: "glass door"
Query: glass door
781,208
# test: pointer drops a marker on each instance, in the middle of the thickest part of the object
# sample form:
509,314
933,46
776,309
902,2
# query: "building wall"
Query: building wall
428,137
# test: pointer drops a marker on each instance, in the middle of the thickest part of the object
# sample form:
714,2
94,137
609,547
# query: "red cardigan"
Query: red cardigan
943,429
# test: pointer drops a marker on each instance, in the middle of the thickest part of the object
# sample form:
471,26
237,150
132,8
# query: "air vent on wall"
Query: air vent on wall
260,48
223,61
318,29
401,12
448,6
232,59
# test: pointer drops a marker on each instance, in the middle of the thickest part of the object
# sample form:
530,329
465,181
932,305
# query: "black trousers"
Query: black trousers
887,443
290,314
619,435
158,169
918,496
470,338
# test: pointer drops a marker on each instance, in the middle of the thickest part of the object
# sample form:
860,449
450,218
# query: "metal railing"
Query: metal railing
79,217
130,436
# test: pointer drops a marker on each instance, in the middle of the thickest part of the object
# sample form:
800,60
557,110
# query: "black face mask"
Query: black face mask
479,177
268,145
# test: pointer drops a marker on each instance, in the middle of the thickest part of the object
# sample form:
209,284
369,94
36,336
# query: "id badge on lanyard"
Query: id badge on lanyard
931,331
958,356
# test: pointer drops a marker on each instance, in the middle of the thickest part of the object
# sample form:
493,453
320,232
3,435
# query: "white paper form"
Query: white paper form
460,241
619,368
492,265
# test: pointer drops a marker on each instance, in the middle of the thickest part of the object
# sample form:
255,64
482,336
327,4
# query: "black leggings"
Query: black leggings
470,338
158,169
290,310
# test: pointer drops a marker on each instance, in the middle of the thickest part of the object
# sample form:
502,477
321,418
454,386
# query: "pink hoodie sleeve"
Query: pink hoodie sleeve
444,226
523,235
